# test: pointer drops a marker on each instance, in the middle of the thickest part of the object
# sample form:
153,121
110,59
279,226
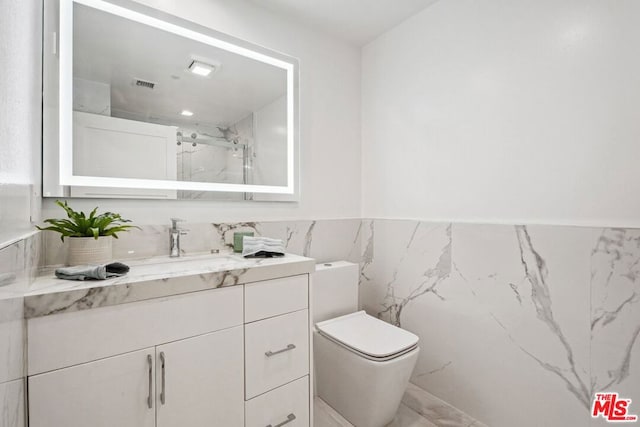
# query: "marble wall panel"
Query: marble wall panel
325,240
519,325
12,409
18,268
614,321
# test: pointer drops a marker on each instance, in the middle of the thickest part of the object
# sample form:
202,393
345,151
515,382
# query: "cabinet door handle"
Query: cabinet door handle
273,353
149,396
163,393
290,418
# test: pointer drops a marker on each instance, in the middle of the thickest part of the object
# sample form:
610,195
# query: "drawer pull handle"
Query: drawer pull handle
163,393
273,353
290,418
149,399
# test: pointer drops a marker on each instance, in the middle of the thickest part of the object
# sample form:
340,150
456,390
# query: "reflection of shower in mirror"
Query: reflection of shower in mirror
215,154
229,133
208,139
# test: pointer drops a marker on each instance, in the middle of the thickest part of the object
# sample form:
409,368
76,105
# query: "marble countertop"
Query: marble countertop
155,278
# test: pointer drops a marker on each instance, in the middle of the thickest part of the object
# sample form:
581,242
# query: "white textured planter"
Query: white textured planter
87,250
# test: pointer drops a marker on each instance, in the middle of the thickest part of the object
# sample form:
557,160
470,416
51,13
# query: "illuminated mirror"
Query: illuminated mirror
141,104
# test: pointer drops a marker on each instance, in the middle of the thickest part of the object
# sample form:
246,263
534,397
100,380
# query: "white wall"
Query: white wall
270,144
20,116
330,122
506,112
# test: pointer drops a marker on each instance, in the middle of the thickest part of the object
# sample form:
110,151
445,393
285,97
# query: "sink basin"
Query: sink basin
201,260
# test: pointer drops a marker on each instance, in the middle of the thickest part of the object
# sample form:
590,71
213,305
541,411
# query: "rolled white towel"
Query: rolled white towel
262,247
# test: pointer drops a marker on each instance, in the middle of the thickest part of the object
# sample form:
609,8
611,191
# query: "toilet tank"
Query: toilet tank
334,290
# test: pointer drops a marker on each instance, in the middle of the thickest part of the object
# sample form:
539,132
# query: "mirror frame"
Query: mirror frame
58,121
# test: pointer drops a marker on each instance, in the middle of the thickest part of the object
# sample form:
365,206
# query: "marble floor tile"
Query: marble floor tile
407,417
435,411
325,416
441,413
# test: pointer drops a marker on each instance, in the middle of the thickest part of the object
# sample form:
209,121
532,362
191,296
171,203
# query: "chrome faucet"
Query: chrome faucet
174,237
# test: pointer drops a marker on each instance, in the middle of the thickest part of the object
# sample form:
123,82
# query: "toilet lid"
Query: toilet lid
368,335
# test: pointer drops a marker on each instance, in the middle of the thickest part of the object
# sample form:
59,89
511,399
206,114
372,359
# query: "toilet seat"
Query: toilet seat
368,337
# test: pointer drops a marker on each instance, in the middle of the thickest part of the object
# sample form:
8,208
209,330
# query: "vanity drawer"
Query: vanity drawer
276,352
274,297
289,402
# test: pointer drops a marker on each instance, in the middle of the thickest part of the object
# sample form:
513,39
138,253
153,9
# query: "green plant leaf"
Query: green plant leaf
77,224
95,233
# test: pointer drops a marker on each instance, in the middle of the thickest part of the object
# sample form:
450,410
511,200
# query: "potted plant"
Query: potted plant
90,237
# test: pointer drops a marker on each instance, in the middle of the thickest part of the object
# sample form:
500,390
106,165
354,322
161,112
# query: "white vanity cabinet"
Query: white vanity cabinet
176,381
199,381
234,356
189,382
107,392
277,352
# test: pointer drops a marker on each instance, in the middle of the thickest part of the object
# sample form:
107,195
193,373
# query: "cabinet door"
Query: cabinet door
200,381
117,391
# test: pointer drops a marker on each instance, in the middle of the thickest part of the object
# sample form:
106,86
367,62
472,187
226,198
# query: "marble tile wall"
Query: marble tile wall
519,325
18,267
324,240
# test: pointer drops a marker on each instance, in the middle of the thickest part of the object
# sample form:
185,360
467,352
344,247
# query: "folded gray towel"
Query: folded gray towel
97,272
262,247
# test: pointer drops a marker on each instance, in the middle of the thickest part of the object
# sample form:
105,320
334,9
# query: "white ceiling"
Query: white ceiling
355,21
115,51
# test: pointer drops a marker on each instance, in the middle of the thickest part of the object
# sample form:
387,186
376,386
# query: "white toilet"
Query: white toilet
362,364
